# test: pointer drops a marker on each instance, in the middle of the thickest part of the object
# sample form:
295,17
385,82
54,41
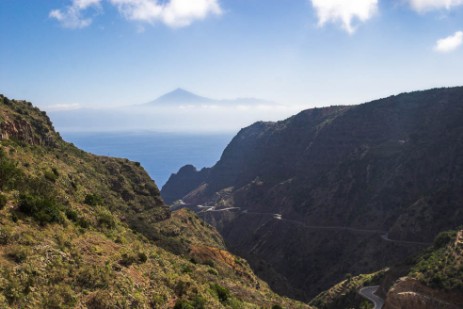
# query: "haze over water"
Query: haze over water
161,154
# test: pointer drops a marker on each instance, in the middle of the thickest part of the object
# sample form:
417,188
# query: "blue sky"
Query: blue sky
310,52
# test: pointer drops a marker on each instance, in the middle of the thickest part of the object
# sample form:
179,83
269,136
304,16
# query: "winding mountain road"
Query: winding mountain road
384,234
385,237
368,292
315,227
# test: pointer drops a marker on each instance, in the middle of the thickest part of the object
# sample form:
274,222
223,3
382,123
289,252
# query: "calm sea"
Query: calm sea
161,154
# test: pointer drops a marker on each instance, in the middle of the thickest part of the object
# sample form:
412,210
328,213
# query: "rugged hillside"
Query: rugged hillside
432,279
345,293
391,166
82,231
435,281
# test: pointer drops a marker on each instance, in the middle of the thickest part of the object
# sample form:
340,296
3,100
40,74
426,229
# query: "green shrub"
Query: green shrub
55,170
222,293
439,268
157,300
209,263
10,174
186,269
12,290
18,254
105,218
102,300
93,200
71,215
49,175
128,259
83,223
142,257
38,187
181,287
183,304
3,200
234,303
93,277
5,235
198,302
60,296
42,209
443,238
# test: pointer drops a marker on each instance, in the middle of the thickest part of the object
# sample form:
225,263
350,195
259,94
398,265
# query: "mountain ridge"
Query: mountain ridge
181,96
390,164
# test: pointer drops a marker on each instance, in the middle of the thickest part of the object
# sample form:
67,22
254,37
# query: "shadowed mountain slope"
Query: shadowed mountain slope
391,166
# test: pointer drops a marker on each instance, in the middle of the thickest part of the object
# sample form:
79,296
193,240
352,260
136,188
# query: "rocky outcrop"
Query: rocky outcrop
26,124
183,182
392,165
408,293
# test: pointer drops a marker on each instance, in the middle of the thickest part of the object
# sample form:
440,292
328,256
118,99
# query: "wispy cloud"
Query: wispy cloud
63,107
449,43
71,17
344,12
428,5
173,13
204,118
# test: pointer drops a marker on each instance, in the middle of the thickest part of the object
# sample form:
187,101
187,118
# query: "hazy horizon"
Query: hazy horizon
178,111
101,54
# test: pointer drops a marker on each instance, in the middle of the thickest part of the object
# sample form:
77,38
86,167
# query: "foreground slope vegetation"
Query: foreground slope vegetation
386,176
79,230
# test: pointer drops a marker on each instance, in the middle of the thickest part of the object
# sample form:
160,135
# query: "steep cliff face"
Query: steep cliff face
389,166
84,231
183,182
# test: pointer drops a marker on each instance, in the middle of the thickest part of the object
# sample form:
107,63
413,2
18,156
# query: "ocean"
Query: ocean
161,154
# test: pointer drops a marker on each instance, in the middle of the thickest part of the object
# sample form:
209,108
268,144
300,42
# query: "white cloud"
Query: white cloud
173,13
449,43
71,17
344,12
427,5
63,107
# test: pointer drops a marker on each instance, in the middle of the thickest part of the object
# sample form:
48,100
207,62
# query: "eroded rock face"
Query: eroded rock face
27,124
408,293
